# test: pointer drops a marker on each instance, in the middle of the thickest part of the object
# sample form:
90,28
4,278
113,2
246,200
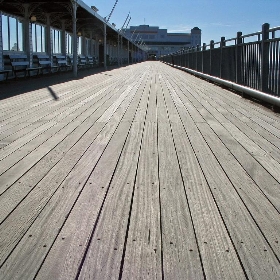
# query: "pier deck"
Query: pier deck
141,172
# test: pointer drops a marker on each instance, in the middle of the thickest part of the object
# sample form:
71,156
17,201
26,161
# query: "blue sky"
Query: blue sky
216,18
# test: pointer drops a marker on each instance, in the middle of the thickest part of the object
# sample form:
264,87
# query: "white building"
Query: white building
159,42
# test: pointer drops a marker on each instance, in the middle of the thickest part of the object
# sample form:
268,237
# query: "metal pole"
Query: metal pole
1,44
211,58
238,65
127,51
265,57
75,47
105,47
119,50
222,44
203,52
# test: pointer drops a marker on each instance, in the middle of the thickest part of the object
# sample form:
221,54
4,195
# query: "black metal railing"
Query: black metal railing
251,60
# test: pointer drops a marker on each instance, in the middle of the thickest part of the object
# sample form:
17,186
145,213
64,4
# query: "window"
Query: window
12,32
69,47
56,37
38,38
79,45
88,46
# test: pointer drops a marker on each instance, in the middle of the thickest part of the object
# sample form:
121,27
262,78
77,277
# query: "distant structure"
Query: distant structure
159,42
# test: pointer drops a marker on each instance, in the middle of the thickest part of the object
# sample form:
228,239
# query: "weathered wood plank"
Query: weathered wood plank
219,258
251,246
181,258
268,141
56,112
25,214
203,195
61,204
91,112
269,220
248,107
266,182
142,258
104,255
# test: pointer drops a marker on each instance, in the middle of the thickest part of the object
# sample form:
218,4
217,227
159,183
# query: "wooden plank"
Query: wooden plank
67,212
59,206
181,258
235,99
143,248
217,252
268,162
256,255
29,160
267,184
25,214
40,115
142,256
72,108
34,98
268,221
60,91
268,142
261,176
103,257
245,124
23,185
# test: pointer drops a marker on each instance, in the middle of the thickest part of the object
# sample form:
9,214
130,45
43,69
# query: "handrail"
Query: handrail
250,63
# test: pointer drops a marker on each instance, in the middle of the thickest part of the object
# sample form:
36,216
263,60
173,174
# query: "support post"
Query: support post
75,45
105,46
222,44
63,39
128,52
238,60
203,50
1,44
91,43
118,50
196,58
28,35
121,49
49,39
211,48
265,58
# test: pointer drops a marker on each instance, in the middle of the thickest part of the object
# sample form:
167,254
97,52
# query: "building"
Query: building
32,28
159,42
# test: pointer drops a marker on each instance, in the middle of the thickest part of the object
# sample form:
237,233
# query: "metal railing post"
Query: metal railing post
203,50
222,44
211,48
265,57
196,63
238,59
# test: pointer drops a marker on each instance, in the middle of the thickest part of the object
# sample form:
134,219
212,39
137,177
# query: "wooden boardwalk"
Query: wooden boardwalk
142,172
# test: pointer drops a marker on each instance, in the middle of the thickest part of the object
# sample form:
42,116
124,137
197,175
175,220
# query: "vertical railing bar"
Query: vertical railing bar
274,67
277,68
271,68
